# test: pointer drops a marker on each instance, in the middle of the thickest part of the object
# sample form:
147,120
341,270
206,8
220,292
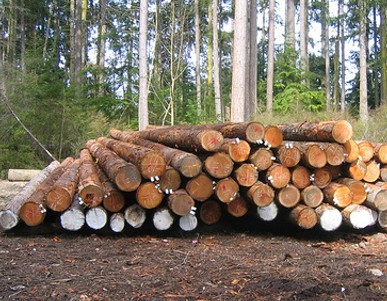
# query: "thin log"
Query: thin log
113,199
124,174
149,195
162,219
89,185
60,196
289,196
359,216
273,136
9,217
22,175
117,222
200,188
303,216
268,213
210,212
381,152
261,194
238,207
238,150
150,163
289,155
278,176
226,190
135,215
219,165
351,151
338,195
382,219
383,173
189,165
96,217
181,203
73,218
372,171
188,222
366,151
312,196
376,197
331,131
246,175
301,177
262,158
322,177
357,170
170,181
329,217
358,189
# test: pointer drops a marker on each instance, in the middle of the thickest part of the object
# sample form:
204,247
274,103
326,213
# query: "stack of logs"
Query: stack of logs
313,173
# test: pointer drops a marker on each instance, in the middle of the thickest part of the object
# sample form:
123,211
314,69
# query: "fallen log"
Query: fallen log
124,174
9,217
301,177
188,222
357,170
338,195
303,216
73,218
246,175
238,207
366,151
372,171
278,175
135,215
268,213
262,158
219,165
162,219
261,194
329,217
358,189
189,165
96,217
331,131
149,195
150,163
200,188
359,216
382,219
22,175
238,150
289,196
312,196
170,181
210,212
117,222
181,203
381,152
322,177
376,197
288,154
226,190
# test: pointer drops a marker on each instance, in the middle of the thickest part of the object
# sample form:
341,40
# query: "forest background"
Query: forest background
71,70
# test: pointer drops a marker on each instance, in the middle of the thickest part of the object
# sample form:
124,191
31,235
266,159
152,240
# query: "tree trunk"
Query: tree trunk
270,60
290,27
342,42
325,51
217,88
363,107
197,61
383,51
253,61
101,47
304,37
143,67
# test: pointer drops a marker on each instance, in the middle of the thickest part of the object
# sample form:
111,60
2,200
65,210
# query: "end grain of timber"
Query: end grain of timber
289,155
246,175
322,177
219,165
268,213
383,173
170,180
200,188
338,195
366,151
376,197
357,188
210,212
312,196
261,194
314,156
382,219
278,176
238,207
381,153
113,200
135,216
335,154
289,196
117,222
351,151
162,219
149,196
359,216
372,172
188,222
226,190
96,217
303,216
238,150
357,170
181,203
301,177
273,137
73,218
329,217
262,158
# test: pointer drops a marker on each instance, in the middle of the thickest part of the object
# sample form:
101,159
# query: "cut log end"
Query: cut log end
289,196
32,214
8,220
58,199
304,216
163,219
219,165
261,194
238,207
273,136
72,219
278,176
255,132
262,158
226,190
268,213
381,153
211,140
359,216
200,188
239,151
190,166
301,177
210,212
342,131
170,180
135,216
114,202
96,218
315,157
351,150
152,165
181,203
128,178
246,175
117,222
329,217
188,222
382,219
91,195
312,196
149,196
289,156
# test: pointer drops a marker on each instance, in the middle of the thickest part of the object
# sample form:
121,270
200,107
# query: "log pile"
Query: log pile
310,174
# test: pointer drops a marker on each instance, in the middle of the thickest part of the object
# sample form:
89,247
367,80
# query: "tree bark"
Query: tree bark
363,106
217,87
143,67
270,59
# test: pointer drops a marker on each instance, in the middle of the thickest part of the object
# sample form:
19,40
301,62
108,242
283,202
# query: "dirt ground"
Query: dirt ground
196,266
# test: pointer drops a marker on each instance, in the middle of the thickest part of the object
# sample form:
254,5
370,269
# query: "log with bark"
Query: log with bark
73,218
261,194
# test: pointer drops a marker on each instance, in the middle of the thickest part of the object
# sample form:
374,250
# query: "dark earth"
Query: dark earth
239,265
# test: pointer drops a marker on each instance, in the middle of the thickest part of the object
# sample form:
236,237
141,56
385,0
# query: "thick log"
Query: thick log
189,165
73,218
289,196
246,175
135,215
383,173
200,188
162,219
219,165
312,196
268,213
338,195
124,174
289,155
382,219
113,200
33,212
303,216
331,131
149,195
273,136
366,151
170,181
376,197
278,176
210,212
261,194
188,222
60,196
22,175
150,163
381,152
226,190
351,151
96,217
358,189
238,150
314,156
322,177
117,222
336,154
301,177
329,217
181,203
372,171
9,217
262,158
89,185
359,216
238,207
357,170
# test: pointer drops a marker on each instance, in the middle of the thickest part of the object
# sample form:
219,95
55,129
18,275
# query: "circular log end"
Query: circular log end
268,213
246,175
382,219
342,197
357,170
226,190
114,202
381,200
148,196
190,166
255,131
278,175
322,177
152,165
91,195
128,178
239,152
301,177
219,165
372,172
329,218
289,196
358,191
366,151
352,151
211,140
307,218
171,179
210,212
58,199
342,131
32,214
312,196
382,153
200,188
237,207
96,218
289,157
262,158
8,220
273,136
72,219
315,156
181,203
262,195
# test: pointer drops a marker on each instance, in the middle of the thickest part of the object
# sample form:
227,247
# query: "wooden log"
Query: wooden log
288,154
261,194
381,152
181,203
303,216
188,222
89,185
314,156
289,196
135,215
338,195
117,222
170,181
238,207
9,217
329,217
336,171
278,175
113,200
358,189
189,165
246,175
96,217
357,170
381,184
301,177
61,194
322,177
331,131
210,212
359,216
219,165
124,174
150,163
33,212
382,219
226,190
376,197
237,149
372,171
262,158
351,151
22,175
273,136
336,154
149,195
162,219
268,213
73,218
312,196
366,151
200,188
383,173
